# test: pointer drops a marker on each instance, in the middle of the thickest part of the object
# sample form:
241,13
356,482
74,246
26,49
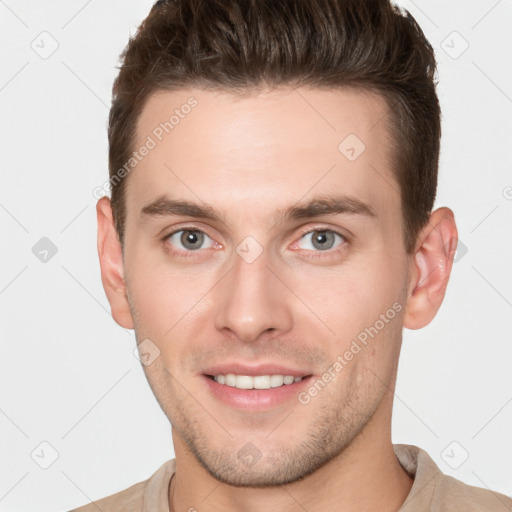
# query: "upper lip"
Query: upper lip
254,370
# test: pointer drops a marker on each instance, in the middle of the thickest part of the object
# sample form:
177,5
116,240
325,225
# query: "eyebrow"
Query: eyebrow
164,206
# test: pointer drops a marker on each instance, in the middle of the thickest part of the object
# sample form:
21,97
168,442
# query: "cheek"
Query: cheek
378,281
157,295
360,303
350,294
166,297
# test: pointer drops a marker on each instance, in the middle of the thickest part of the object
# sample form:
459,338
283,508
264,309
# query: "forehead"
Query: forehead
264,150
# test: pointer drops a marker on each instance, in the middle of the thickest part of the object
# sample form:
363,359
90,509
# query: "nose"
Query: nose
252,300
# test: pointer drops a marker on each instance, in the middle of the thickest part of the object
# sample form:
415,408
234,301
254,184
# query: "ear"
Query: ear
431,266
111,263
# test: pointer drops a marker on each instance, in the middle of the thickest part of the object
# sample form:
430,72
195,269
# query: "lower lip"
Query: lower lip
255,399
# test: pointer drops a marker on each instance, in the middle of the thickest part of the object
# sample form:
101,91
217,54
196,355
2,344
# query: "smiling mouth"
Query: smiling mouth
249,382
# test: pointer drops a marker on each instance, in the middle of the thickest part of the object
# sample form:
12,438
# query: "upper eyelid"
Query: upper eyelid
338,231
186,228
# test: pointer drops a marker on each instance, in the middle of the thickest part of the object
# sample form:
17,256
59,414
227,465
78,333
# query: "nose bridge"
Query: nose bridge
252,299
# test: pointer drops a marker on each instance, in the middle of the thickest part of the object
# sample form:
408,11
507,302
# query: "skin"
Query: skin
296,304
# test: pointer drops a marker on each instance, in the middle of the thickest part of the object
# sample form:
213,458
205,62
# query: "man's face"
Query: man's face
256,288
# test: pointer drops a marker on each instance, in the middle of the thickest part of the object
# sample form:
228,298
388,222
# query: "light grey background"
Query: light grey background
68,376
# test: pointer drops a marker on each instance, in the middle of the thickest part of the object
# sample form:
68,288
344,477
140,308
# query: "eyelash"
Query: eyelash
316,254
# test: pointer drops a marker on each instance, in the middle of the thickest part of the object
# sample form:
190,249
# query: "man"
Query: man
273,168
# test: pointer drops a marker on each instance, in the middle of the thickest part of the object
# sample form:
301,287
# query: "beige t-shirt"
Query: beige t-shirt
432,491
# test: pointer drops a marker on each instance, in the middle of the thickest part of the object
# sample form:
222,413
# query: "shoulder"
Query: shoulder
149,494
127,500
452,494
434,491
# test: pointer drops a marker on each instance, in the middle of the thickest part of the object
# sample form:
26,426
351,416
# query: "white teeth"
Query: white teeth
260,382
257,382
276,381
244,382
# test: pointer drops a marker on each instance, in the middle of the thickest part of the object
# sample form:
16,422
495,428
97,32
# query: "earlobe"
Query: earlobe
111,263
431,268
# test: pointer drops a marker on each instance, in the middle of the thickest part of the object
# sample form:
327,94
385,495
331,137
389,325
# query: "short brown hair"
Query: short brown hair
241,46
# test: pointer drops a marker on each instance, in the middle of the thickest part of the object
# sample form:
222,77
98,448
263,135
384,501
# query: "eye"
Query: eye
321,240
189,240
